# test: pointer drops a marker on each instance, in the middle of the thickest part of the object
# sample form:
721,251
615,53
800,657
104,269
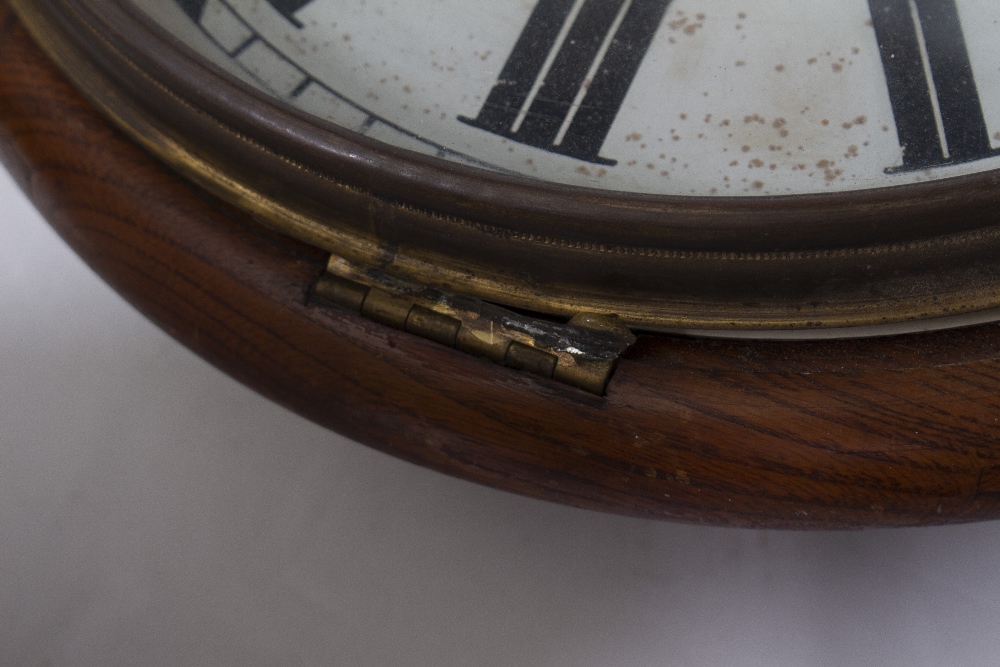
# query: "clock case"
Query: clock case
892,431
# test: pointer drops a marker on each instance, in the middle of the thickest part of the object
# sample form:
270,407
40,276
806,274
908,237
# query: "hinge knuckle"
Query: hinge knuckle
387,308
488,344
339,291
590,375
433,325
526,358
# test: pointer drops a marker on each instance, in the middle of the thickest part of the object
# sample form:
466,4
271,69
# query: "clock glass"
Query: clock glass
683,164
670,97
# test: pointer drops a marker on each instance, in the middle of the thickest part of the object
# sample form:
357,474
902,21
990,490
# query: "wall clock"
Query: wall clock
705,261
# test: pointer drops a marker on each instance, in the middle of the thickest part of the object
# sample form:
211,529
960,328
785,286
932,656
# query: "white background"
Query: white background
154,512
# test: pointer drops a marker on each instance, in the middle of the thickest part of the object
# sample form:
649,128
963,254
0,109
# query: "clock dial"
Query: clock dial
669,97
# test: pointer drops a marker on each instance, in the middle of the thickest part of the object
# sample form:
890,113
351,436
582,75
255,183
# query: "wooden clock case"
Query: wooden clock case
899,430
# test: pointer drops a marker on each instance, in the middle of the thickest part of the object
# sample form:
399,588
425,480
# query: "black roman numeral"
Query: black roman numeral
192,8
287,8
534,105
927,65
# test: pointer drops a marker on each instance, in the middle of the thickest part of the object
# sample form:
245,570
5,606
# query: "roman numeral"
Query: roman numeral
567,76
287,8
939,117
192,8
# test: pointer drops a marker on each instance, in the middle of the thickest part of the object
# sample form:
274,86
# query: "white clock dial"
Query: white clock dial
682,97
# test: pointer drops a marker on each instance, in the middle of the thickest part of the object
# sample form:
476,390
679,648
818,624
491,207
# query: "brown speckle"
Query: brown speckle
837,67
746,149
779,68
756,162
741,63
583,170
757,185
634,136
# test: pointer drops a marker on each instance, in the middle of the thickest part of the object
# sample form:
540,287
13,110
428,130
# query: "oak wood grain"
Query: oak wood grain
892,431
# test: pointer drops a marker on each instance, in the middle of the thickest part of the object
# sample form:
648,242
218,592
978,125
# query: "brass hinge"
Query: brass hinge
582,353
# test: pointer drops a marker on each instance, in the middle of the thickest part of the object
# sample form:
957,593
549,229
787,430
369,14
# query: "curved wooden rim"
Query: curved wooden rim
899,431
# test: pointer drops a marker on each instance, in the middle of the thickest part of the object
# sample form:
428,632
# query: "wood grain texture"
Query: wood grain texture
895,431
